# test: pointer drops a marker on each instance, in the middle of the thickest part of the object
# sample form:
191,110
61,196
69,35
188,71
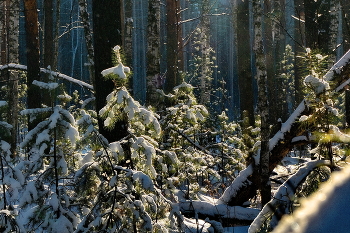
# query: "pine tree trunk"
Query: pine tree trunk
84,15
299,48
48,35
127,30
33,57
317,22
107,28
204,49
245,79
263,107
49,52
56,32
10,55
153,50
333,31
174,45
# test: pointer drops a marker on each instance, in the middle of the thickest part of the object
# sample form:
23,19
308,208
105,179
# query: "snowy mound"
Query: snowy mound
328,210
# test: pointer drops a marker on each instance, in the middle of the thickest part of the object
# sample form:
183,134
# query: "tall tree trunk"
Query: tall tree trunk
48,35
245,80
107,28
9,54
127,30
263,107
153,50
317,21
84,15
333,30
299,48
56,32
206,70
311,33
33,57
49,48
174,45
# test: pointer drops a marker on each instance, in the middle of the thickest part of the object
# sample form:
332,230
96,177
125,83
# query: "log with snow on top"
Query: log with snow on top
13,66
282,201
327,210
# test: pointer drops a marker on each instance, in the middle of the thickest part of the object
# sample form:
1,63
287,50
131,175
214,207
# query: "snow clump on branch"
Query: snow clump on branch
318,85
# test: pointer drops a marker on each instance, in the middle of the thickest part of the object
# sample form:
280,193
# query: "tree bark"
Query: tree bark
245,79
263,105
153,50
333,30
48,35
299,33
174,45
9,54
317,22
84,15
107,28
33,57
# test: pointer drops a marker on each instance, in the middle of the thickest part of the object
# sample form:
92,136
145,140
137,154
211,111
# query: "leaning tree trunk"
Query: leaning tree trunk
241,190
33,57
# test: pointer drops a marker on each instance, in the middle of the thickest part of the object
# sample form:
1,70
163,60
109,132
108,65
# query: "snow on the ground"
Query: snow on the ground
240,229
327,210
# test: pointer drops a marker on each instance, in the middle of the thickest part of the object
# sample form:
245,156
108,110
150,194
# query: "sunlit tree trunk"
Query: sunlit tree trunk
33,57
174,45
205,74
245,79
333,30
263,107
153,50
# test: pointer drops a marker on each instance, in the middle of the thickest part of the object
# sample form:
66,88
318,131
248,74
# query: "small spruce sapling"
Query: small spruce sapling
125,197
51,145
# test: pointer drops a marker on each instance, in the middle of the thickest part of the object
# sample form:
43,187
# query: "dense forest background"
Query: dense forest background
172,115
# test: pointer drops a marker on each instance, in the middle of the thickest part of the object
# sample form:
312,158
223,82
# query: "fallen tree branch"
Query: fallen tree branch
282,201
12,66
218,211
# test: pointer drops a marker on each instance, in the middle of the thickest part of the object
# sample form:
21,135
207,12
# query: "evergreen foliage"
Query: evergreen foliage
69,178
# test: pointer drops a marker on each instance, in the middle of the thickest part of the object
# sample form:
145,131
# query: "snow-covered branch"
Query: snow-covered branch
215,210
282,142
325,211
238,183
283,199
47,71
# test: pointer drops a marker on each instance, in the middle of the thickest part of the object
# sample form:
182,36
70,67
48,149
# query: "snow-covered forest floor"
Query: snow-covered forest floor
177,169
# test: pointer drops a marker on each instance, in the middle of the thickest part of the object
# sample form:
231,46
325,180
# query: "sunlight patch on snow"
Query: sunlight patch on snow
327,210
